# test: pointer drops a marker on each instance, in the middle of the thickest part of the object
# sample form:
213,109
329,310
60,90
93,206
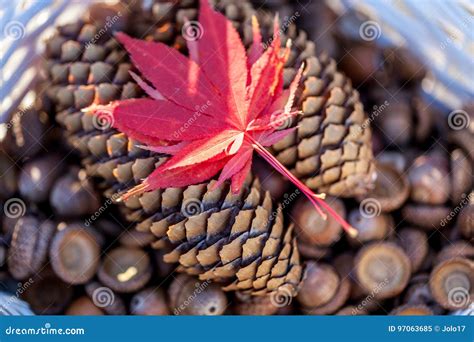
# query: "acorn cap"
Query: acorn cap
415,244
320,284
29,246
452,283
391,188
412,310
310,226
458,249
429,179
461,175
337,301
134,238
83,306
255,305
351,310
149,301
47,294
369,228
465,219
125,269
105,299
429,217
382,269
189,296
74,254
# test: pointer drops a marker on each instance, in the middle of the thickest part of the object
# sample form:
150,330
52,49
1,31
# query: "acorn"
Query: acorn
149,301
125,269
38,176
311,228
338,300
391,188
461,175
382,269
351,310
256,305
412,310
74,254
29,246
47,294
311,251
429,180
452,283
429,217
73,195
396,120
457,249
83,306
270,179
105,299
369,227
320,284
415,244
465,220
9,175
189,296
134,238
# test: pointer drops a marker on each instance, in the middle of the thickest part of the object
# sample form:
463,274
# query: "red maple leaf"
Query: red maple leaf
210,110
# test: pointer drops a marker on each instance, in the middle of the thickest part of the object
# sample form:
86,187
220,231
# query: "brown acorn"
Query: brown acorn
320,284
369,227
465,219
73,195
452,283
83,306
189,296
74,253
125,269
29,246
391,188
134,238
412,310
429,180
105,299
311,228
415,244
382,269
149,301
47,294
255,305
457,249
337,301
429,217
38,176
461,176
9,175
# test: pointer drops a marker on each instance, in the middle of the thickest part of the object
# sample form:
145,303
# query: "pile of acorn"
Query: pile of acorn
414,253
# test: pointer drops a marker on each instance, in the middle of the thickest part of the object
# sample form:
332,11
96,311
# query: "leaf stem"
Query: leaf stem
315,199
